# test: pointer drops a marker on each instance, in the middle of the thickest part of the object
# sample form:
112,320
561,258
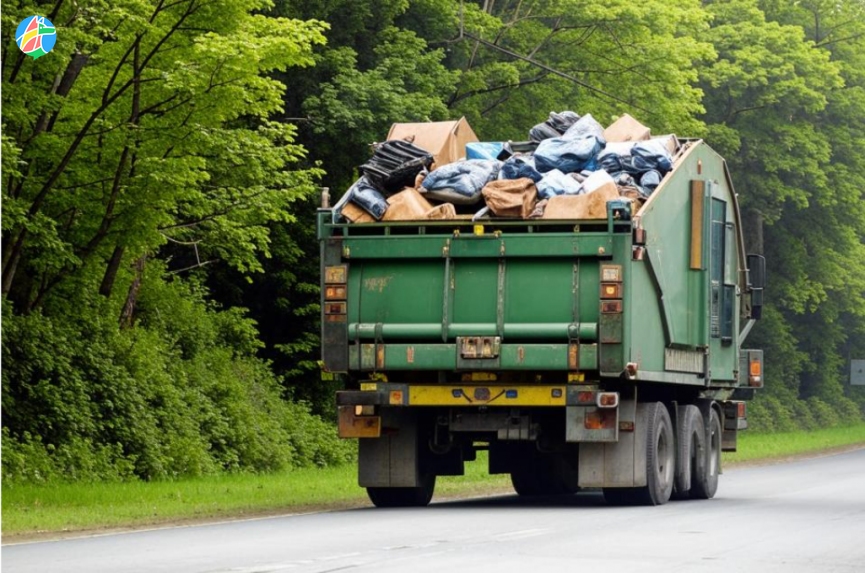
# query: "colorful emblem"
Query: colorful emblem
36,36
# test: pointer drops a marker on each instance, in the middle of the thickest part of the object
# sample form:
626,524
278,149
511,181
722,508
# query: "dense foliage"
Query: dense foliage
159,166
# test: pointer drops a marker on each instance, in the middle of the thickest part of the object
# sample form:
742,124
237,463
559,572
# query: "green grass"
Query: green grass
83,506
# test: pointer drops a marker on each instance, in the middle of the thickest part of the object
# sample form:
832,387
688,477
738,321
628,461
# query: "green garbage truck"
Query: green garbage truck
603,353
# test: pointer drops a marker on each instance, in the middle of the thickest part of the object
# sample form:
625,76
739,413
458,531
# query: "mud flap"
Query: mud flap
619,464
393,459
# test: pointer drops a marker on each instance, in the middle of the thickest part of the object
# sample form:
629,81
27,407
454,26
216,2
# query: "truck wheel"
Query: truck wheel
690,450
404,496
705,485
660,463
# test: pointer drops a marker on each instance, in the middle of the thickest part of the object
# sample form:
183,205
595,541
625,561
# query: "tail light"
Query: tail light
608,400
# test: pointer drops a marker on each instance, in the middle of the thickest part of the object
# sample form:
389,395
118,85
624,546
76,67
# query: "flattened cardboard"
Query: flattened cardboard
590,206
626,128
446,140
671,142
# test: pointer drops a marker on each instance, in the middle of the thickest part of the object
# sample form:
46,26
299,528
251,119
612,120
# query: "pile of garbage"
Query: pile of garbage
570,168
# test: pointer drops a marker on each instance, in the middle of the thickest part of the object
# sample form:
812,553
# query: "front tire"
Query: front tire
706,483
404,496
660,463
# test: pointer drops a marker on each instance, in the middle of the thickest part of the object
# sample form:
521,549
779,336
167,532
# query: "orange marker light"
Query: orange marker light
756,368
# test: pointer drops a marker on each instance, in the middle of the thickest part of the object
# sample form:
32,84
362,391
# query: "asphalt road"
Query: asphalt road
801,516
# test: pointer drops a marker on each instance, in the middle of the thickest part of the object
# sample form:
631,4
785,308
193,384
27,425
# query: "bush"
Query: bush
180,394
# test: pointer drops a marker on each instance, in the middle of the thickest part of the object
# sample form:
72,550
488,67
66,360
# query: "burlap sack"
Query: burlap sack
407,205
440,212
511,197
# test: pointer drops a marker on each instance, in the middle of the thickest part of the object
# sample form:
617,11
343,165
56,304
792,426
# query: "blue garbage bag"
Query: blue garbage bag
519,166
483,150
615,156
586,126
650,179
461,182
557,183
649,155
568,155
365,196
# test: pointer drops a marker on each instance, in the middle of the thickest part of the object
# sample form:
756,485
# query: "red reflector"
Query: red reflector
600,420
611,307
740,410
586,397
334,308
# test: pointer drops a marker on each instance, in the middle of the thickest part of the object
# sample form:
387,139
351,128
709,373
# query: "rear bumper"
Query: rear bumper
493,395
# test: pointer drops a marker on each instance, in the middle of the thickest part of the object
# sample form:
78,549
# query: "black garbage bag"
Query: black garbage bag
460,183
557,124
364,196
395,164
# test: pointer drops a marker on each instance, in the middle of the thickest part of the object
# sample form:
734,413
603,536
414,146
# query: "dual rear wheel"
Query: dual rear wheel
685,462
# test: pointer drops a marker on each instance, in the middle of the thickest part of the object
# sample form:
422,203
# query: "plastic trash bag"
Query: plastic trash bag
480,150
461,182
557,183
650,180
651,154
586,126
364,195
557,124
394,165
597,180
568,155
519,166
615,156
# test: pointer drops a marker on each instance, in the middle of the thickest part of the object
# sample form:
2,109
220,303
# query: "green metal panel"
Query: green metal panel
475,287
420,357
539,291
534,357
396,291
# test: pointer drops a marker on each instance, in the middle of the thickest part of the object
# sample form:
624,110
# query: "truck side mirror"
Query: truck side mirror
757,282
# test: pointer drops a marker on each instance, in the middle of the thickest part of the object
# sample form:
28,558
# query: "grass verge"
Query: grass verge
30,510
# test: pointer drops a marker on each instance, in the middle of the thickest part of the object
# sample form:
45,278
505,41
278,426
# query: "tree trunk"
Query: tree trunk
128,314
111,271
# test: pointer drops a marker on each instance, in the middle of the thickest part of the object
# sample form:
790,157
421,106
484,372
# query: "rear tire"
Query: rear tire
660,463
706,483
690,450
404,496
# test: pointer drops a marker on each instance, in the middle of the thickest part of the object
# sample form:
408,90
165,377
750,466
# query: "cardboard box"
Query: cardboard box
441,212
589,206
626,128
446,140
355,214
